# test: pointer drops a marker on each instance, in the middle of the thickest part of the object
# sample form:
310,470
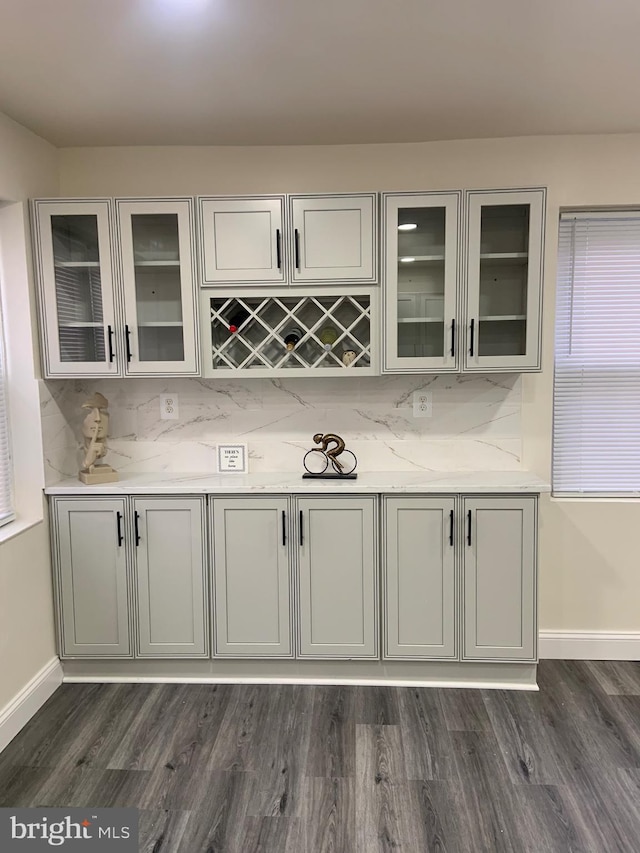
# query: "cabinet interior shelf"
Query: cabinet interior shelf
420,259
510,257
502,317
421,320
81,325
77,264
157,263
158,324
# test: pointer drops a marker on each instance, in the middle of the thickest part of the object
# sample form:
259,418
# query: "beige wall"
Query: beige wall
28,167
589,571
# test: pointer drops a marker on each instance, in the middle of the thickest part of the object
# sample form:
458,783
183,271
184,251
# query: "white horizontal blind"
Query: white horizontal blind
596,419
6,505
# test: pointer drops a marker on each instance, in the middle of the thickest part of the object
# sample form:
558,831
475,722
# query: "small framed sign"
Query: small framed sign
232,457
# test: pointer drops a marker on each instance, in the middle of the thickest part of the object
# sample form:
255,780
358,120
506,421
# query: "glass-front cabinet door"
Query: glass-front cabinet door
75,270
504,279
158,281
420,291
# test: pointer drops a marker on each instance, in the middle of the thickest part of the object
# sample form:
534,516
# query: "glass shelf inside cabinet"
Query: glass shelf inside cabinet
290,332
76,261
158,286
421,282
504,264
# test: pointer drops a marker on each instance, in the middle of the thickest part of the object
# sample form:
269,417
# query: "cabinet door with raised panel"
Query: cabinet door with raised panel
76,287
170,576
241,240
504,279
91,575
252,591
333,238
159,289
499,585
419,577
421,234
337,577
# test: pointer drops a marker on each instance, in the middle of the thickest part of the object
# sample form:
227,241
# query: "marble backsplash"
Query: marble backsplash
475,424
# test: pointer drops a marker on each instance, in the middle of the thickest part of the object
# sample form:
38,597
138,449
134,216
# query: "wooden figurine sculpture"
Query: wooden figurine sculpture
317,461
95,428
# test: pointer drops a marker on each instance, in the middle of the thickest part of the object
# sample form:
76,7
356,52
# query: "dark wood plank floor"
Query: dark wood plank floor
289,769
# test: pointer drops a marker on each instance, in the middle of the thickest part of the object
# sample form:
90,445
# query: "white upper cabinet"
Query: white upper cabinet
73,243
504,280
158,286
241,240
333,238
421,282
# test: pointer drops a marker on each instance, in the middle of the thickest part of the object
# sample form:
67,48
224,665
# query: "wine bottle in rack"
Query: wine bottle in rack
328,335
237,319
291,338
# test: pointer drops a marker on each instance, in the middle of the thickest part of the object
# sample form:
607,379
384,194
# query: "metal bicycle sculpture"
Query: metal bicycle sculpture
316,461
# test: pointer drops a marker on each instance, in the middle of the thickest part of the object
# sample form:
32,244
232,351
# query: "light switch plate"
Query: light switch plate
169,410
422,404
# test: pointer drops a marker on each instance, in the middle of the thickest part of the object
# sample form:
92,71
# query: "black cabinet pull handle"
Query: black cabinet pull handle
453,337
471,333
451,528
278,248
284,527
301,529
128,342
136,518
110,342
297,248
468,527
119,525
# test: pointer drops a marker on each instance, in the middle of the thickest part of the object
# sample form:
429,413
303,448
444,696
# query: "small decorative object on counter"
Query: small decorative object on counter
316,461
348,357
292,338
95,429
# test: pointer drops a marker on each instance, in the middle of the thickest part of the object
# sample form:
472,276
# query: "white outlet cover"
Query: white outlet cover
422,404
169,408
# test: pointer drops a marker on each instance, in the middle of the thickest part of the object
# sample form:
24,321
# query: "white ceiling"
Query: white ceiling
270,72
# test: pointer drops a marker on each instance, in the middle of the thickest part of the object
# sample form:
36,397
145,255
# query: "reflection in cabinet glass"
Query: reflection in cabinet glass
251,333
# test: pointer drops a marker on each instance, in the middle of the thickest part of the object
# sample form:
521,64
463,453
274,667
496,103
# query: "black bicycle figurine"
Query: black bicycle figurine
316,461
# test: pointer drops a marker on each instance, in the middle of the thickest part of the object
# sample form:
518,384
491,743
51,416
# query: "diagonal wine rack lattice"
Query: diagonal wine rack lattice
262,323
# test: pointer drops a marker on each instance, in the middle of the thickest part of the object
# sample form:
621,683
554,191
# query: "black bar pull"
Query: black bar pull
119,524
136,518
451,528
128,342
284,527
296,234
110,343
453,337
278,248
469,527
301,529
471,332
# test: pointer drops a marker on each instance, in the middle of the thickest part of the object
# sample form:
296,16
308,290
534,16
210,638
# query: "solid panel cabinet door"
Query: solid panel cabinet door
337,566
241,240
92,578
419,581
252,577
76,287
334,238
159,291
500,578
170,577
421,234
504,279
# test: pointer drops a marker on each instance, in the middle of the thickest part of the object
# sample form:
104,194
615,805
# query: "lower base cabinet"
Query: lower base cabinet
131,567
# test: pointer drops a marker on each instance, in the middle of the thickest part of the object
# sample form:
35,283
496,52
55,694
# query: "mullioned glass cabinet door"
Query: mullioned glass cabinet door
504,279
420,292
157,257
75,272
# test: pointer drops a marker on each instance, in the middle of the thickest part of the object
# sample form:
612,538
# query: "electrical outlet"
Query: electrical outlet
169,410
422,404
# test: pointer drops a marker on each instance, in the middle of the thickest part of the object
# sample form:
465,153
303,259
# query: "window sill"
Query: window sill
15,528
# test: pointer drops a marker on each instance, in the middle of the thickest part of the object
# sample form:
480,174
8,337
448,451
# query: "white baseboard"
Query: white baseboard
590,645
15,715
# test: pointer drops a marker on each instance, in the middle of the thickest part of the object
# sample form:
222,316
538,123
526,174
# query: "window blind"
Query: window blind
6,505
596,417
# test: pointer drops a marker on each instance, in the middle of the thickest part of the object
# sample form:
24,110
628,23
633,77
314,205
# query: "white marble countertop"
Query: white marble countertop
372,482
